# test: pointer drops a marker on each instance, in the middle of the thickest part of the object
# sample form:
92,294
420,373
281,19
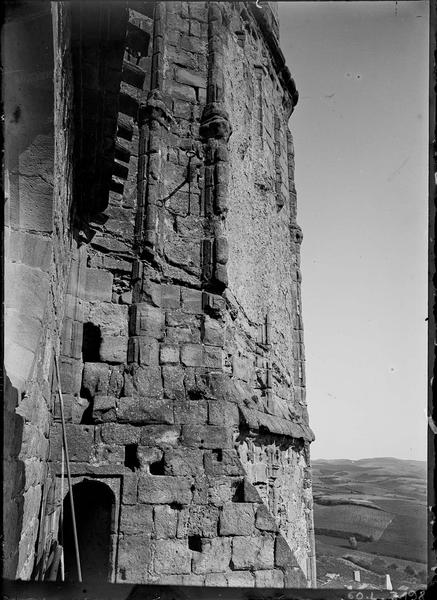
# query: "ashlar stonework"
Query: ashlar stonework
152,247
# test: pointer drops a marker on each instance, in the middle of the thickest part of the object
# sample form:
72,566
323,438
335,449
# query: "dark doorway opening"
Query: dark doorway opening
94,505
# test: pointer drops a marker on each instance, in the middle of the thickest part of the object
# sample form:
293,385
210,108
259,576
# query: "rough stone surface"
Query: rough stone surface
167,286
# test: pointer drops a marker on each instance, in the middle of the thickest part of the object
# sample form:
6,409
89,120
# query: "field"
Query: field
381,503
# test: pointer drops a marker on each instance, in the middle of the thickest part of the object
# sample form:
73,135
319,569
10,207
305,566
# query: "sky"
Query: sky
360,132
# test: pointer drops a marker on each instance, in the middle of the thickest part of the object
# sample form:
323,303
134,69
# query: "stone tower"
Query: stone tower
152,251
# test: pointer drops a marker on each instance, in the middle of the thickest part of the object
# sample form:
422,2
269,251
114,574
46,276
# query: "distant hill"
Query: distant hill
381,503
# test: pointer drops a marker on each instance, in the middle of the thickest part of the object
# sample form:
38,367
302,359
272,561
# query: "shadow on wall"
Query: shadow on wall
94,506
13,480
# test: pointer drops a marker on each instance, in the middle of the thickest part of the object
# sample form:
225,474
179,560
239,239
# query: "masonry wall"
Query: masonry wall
37,261
181,360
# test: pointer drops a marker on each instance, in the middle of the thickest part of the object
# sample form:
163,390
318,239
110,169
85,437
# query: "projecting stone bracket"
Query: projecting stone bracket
258,421
155,109
215,123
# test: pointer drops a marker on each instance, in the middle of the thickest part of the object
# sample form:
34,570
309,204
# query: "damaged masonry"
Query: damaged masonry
152,254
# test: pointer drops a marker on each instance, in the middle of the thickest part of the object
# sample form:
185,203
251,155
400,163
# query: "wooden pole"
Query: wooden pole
67,464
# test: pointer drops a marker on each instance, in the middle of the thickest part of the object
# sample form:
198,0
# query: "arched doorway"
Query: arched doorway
94,505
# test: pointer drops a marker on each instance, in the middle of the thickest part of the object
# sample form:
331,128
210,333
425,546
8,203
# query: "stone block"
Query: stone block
215,556
147,455
80,439
203,521
144,410
183,335
294,577
221,490
114,349
177,318
213,304
284,555
147,381
117,433
104,409
134,552
95,378
221,248
169,353
222,462
184,462
213,357
206,436
170,296
152,292
111,318
162,489
216,579
240,579
173,377
182,91
166,519
212,332
192,355
269,579
172,556
162,436
192,300
191,411
136,520
253,553
223,413
242,368
147,320
264,519
237,519
70,372
98,285
148,351
188,77
74,407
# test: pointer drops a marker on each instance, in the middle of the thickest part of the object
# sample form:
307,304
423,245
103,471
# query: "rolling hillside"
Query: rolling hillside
370,515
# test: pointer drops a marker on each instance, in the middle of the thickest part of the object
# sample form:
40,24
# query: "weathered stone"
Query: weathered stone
221,489
148,381
237,519
206,436
112,319
222,413
172,556
136,520
294,577
70,371
144,410
190,78
264,520
270,579
80,440
183,334
240,579
201,520
114,433
98,285
170,296
148,351
191,411
192,355
173,377
284,555
212,332
186,462
104,409
162,436
169,353
215,556
191,300
253,552
166,519
216,579
147,320
223,462
134,552
161,489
